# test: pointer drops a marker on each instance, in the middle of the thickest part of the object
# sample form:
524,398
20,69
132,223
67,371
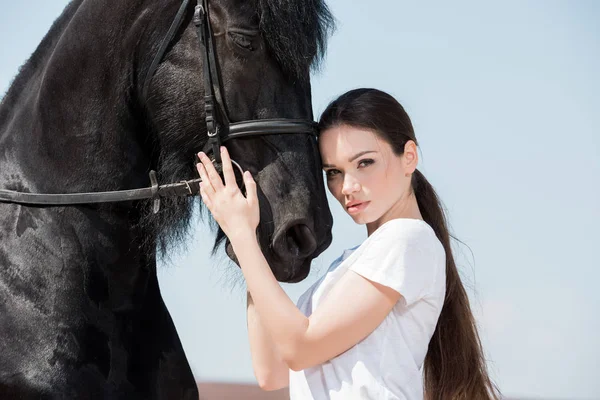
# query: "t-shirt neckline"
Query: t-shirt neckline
348,252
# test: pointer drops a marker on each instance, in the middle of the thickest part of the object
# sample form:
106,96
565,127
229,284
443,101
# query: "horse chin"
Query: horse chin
298,276
301,274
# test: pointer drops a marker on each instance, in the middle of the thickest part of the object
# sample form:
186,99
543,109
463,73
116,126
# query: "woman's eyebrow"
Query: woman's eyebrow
354,157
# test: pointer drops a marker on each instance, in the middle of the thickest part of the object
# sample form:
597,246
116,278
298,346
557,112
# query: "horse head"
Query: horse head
263,54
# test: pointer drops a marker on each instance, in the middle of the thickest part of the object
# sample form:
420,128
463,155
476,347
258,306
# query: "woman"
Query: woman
390,319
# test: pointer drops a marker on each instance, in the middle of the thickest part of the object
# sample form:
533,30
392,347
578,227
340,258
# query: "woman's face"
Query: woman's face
371,183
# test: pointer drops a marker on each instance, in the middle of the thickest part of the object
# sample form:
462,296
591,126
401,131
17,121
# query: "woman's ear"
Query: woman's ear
411,157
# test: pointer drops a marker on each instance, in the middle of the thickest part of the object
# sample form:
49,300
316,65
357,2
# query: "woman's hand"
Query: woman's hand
237,215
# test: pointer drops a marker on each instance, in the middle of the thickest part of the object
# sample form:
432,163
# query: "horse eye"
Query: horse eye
243,41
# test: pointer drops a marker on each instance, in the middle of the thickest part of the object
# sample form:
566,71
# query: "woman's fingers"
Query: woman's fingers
227,168
205,179
206,198
250,188
213,175
206,189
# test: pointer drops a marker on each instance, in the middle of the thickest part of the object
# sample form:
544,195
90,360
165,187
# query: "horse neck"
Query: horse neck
68,122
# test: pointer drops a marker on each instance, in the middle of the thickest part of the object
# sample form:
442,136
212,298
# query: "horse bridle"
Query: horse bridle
219,128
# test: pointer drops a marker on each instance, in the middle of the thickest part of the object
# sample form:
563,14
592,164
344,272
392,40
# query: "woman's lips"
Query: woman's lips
358,207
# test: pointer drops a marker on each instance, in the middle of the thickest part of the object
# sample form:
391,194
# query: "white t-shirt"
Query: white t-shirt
406,255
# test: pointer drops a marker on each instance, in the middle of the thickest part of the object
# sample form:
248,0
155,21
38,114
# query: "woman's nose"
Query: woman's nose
350,185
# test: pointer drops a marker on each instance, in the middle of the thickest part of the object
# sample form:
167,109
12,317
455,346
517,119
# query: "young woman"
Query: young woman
390,319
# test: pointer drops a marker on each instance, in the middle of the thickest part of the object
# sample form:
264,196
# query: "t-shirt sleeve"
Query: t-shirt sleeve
403,257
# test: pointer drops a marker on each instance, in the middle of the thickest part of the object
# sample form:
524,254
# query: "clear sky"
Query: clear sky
505,99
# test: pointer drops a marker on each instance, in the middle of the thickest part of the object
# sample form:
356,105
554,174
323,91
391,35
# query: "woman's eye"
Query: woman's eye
243,41
365,163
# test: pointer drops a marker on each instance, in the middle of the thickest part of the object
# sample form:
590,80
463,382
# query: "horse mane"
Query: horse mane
296,32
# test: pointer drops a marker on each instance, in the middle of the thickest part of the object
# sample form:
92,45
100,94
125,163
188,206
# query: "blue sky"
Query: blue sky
505,102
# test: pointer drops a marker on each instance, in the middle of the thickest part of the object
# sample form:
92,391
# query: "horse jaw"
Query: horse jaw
295,279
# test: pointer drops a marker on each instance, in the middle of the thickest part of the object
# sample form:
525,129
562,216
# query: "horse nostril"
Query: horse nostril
296,241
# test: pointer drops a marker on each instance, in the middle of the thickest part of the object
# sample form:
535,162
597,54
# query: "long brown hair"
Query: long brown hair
454,367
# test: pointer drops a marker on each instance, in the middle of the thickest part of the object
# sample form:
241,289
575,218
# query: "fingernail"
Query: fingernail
222,149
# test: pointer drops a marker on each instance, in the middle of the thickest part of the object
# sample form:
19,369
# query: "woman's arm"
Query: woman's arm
351,311
270,370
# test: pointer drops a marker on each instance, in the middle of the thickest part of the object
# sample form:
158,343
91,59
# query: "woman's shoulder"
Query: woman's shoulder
401,235
409,229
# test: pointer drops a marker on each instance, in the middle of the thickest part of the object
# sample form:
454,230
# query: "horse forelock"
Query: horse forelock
296,31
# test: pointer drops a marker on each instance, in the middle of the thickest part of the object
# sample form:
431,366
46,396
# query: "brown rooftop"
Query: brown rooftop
238,391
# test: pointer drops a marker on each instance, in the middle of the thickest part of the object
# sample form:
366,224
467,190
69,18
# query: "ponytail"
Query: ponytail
454,366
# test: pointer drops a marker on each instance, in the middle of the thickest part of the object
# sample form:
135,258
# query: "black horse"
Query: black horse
81,315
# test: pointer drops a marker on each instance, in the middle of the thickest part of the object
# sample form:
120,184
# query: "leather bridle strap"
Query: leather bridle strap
261,127
212,82
156,191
